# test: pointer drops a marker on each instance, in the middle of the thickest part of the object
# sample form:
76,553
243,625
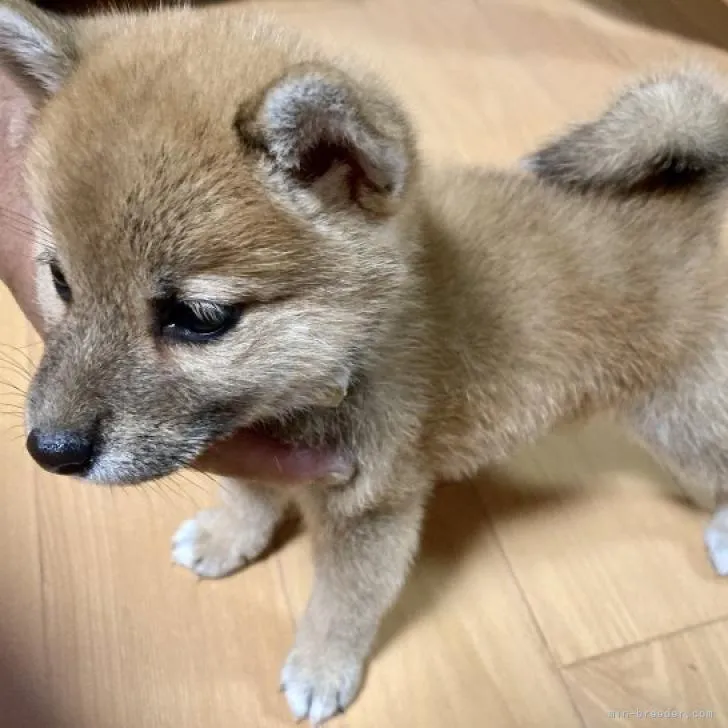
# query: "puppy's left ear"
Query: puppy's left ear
316,121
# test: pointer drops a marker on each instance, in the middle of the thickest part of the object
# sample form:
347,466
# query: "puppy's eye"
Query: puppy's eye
60,283
197,321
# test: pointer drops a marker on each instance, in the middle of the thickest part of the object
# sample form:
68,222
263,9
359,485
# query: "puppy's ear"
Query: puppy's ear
316,122
36,47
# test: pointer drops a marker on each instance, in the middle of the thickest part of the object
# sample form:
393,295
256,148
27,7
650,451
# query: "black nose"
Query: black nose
60,451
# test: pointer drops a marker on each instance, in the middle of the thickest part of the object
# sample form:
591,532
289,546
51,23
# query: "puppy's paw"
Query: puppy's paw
218,542
716,542
319,684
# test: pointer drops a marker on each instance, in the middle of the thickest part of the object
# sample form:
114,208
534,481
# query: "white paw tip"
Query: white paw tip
322,708
184,548
186,532
319,700
716,542
185,554
299,701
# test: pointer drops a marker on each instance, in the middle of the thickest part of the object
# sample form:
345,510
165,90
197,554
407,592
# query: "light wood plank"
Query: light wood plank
456,646
132,641
649,684
23,678
603,550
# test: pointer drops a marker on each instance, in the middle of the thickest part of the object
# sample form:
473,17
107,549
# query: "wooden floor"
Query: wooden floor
570,589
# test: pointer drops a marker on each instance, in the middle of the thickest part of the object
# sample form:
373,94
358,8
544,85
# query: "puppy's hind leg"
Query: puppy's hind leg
687,429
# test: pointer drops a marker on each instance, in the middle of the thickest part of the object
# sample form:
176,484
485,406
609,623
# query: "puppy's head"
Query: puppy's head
221,235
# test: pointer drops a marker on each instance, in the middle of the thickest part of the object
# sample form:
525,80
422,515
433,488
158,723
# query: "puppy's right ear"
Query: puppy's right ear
37,48
316,119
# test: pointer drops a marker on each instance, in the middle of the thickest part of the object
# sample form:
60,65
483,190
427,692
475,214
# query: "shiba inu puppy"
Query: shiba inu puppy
235,231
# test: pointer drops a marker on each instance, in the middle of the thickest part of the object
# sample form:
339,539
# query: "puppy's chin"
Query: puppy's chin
131,466
124,471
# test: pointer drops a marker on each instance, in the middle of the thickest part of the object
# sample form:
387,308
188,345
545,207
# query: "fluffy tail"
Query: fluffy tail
665,132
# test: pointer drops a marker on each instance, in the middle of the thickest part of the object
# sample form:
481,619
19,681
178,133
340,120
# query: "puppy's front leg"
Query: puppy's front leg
220,540
361,560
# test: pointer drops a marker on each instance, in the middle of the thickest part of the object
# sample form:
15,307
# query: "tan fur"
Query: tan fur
420,322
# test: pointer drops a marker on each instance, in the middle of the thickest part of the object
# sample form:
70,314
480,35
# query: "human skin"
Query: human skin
245,455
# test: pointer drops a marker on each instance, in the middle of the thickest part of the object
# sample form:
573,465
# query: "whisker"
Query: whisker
18,366
20,218
162,487
181,490
14,212
40,236
7,357
25,346
15,368
159,489
13,394
22,353
190,480
17,423
170,485
13,386
206,475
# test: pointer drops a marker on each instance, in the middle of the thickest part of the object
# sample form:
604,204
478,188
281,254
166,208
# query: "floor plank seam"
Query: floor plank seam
644,642
556,668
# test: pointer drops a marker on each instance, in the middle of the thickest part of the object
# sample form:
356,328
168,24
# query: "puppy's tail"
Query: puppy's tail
669,131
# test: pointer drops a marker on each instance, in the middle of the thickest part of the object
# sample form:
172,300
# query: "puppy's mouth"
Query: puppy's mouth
256,452
259,453
223,440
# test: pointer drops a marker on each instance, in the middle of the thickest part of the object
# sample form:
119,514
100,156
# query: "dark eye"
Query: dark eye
197,321
61,284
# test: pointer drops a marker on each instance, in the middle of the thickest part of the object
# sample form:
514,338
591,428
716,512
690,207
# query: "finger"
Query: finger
253,455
